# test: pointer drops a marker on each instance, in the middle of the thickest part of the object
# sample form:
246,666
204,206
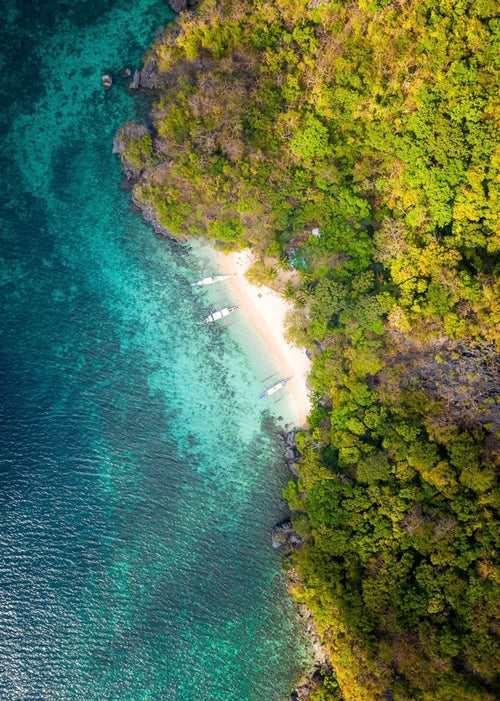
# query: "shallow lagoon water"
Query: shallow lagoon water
140,476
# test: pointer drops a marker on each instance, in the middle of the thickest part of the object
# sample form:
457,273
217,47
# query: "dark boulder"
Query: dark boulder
178,5
292,455
181,5
135,83
149,77
283,535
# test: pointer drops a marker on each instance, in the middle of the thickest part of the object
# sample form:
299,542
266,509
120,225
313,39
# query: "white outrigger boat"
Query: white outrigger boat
215,316
212,279
275,388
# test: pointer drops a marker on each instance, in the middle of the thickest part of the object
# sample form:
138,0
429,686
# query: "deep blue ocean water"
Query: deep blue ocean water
139,476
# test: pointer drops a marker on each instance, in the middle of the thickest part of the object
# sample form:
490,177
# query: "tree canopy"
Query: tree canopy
375,122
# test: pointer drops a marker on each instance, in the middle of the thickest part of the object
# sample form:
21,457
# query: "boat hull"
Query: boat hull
211,280
220,314
275,388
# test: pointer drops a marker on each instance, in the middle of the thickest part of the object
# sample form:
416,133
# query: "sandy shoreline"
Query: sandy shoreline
266,311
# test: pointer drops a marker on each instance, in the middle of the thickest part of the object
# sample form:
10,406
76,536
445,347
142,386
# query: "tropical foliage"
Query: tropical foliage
376,123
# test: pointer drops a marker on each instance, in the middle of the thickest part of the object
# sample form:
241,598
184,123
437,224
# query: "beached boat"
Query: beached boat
220,314
275,388
210,280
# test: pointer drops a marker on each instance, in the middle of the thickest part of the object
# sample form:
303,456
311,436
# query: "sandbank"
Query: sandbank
266,311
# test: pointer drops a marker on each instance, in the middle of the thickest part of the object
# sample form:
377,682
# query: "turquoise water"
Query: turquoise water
140,477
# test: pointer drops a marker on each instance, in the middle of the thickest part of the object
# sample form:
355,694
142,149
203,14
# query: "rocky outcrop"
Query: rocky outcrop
307,686
465,377
147,77
135,84
284,536
181,5
106,80
149,213
292,455
321,667
129,132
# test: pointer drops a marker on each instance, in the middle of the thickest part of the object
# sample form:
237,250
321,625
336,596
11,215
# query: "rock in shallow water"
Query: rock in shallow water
107,80
136,81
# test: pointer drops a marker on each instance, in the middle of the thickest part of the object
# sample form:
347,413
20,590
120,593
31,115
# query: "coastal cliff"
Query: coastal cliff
358,144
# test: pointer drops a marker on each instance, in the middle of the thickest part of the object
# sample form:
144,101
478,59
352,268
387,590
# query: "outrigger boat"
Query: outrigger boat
210,280
275,388
215,316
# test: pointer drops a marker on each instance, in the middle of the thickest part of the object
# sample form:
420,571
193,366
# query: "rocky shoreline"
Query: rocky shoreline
285,538
181,5
132,172
283,535
254,143
321,665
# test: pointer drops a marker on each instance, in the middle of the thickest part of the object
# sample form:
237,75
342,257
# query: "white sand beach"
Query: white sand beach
266,311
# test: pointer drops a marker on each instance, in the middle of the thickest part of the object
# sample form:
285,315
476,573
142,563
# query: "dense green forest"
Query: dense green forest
376,123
